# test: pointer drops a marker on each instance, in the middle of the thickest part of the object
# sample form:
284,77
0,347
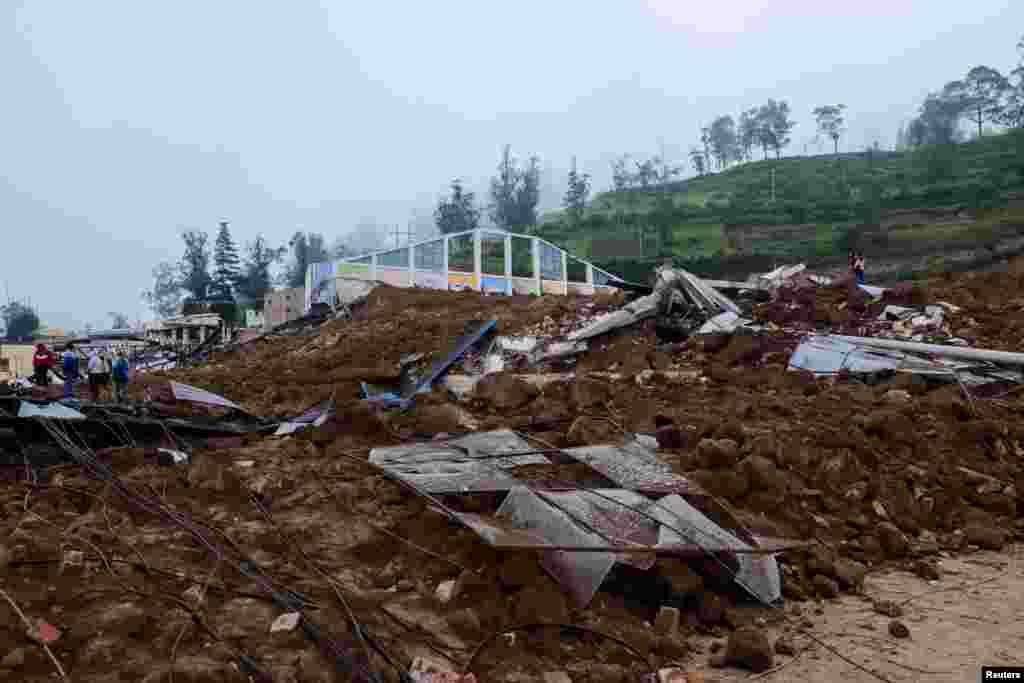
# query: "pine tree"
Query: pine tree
194,266
457,213
226,272
575,200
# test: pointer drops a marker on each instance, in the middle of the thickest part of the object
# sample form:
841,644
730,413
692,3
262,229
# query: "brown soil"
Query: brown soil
873,482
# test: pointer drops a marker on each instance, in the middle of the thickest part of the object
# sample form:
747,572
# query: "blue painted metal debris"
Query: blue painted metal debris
407,398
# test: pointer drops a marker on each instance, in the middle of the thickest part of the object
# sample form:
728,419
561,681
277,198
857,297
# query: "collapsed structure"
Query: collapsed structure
419,485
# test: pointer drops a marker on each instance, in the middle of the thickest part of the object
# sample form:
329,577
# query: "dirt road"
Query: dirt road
972,616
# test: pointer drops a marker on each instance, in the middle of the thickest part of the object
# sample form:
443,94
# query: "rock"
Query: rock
749,648
673,648
947,401
445,591
711,610
543,603
820,561
896,396
667,621
784,646
888,608
929,571
897,629
286,622
556,677
675,675
435,419
684,580
14,659
825,587
894,543
504,391
764,476
671,436
986,537
717,453
587,430
850,573
194,595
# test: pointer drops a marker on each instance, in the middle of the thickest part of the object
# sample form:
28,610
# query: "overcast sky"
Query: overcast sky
122,122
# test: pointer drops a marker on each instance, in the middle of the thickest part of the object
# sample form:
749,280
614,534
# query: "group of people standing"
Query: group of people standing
99,368
857,266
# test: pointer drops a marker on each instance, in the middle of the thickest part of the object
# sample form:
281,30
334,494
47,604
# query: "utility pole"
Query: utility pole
773,185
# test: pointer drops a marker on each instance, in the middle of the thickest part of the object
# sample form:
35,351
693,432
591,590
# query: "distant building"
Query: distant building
185,330
282,306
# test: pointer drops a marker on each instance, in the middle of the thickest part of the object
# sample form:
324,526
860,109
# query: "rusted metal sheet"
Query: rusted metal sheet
684,525
619,516
580,573
632,466
469,464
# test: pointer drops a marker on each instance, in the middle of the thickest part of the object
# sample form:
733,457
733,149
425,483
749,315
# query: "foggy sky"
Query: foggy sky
123,122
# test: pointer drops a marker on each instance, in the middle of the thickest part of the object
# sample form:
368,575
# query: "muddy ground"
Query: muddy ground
878,477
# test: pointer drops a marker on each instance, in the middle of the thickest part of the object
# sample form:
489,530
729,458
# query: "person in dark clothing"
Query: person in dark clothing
858,268
70,366
42,363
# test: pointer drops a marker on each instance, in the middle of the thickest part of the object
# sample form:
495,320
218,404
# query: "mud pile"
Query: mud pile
892,472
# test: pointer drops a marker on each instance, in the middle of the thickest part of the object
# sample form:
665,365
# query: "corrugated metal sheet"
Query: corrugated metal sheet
632,466
460,465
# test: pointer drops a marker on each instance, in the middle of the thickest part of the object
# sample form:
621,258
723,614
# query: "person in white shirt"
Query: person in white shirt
99,370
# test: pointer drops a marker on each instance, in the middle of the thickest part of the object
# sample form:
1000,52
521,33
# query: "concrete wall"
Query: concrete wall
18,357
283,305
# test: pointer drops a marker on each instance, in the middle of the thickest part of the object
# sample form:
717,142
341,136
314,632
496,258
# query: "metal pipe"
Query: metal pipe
1005,357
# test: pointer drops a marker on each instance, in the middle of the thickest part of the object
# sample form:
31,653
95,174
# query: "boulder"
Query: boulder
717,453
503,391
894,543
897,629
825,587
763,474
986,537
749,648
587,430
850,573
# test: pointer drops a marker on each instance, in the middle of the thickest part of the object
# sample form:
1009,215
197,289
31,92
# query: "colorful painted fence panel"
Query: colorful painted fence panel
495,285
576,288
430,280
457,281
397,277
522,285
320,285
353,269
552,287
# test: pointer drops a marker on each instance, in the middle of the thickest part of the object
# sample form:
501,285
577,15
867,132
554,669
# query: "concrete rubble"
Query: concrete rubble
431,486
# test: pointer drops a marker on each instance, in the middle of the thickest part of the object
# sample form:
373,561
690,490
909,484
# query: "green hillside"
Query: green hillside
825,205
